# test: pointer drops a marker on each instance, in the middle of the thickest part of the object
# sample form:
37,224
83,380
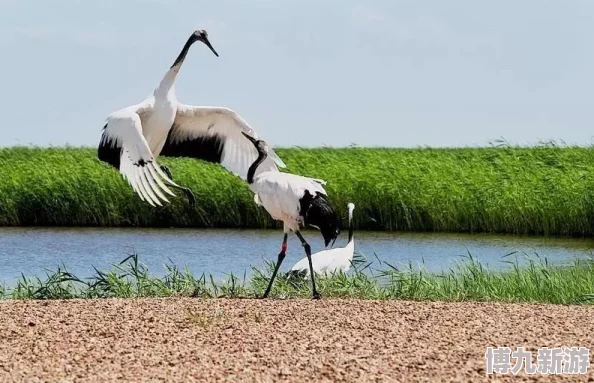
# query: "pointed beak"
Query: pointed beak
208,44
252,139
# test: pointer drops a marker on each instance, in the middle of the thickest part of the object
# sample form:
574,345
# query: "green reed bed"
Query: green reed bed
540,190
469,281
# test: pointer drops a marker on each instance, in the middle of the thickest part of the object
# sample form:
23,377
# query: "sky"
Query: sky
307,73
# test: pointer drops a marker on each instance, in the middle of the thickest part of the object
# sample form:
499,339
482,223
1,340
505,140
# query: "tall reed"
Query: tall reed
540,190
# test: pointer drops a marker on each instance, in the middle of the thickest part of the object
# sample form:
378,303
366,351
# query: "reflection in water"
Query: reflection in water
33,250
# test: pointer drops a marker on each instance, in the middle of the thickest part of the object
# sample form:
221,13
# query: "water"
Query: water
33,250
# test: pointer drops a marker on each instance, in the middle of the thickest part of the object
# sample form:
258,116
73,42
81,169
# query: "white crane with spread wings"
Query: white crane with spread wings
135,136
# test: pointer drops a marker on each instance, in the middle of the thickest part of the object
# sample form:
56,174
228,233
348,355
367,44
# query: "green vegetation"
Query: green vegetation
541,190
538,282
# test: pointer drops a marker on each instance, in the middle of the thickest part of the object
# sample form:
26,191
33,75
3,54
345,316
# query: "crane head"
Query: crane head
260,145
202,35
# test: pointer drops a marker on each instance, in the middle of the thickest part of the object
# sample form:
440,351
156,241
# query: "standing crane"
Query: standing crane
296,201
134,136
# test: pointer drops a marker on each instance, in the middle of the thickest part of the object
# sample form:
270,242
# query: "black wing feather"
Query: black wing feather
108,151
317,212
208,148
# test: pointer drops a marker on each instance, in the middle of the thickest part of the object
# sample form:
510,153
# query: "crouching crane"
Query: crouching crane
330,260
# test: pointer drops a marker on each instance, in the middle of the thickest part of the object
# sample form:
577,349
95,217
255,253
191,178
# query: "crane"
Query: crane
330,260
296,201
134,136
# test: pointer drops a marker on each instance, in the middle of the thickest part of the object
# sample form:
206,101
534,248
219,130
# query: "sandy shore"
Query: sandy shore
274,340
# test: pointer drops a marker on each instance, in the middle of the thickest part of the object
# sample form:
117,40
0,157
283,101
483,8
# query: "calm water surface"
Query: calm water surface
33,250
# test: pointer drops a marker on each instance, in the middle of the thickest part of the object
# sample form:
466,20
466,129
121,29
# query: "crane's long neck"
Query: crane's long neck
169,79
252,170
350,227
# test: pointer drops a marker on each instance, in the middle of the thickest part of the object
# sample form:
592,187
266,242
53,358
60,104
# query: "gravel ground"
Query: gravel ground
276,340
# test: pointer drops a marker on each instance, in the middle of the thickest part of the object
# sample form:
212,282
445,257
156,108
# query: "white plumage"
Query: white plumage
202,122
280,194
331,260
125,130
297,201
160,125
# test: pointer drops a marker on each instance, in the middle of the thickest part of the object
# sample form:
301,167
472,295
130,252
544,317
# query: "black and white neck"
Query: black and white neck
350,208
350,230
169,79
252,170
184,52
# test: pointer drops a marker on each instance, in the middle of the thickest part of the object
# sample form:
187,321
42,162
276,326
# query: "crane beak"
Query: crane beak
208,44
252,139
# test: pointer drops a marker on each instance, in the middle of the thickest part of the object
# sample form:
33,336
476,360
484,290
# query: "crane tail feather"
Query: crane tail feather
318,213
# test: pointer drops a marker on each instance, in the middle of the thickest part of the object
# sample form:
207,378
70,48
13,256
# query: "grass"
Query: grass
206,319
539,190
469,281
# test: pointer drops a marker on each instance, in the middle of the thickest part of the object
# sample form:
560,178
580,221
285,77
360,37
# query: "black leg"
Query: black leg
187,191
281,257
190,195
167,171
307,248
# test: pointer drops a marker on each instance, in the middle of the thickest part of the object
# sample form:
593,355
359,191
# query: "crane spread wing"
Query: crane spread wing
124,147
214,134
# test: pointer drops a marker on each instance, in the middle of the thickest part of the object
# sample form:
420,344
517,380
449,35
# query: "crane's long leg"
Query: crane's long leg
281,257
307,248
167,171
187,191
